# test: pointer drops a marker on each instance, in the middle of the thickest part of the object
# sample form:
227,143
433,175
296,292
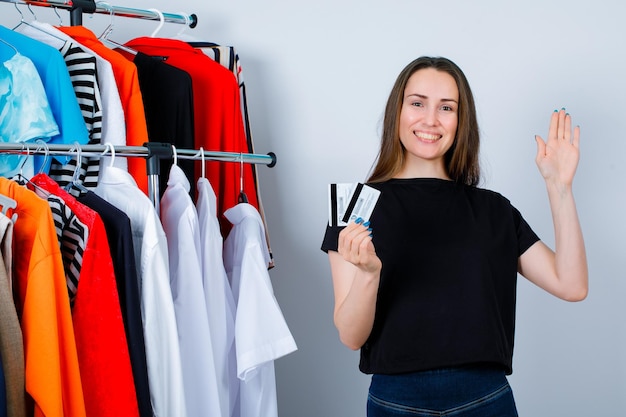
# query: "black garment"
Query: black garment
447,289
120,237
168,104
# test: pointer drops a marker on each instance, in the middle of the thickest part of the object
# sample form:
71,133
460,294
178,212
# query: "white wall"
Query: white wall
318,74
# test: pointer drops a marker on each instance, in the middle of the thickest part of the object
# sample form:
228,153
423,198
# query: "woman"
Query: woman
426,289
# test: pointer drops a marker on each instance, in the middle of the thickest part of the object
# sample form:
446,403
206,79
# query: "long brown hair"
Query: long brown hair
461,160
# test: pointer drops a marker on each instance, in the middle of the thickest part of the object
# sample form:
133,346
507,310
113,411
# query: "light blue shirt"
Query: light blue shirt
25,113
58,86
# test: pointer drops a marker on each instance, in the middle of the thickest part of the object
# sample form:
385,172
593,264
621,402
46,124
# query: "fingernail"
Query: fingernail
556,111
369,229
358,220
563,108
366,224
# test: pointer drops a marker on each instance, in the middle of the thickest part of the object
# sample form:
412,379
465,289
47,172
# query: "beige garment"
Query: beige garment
11,343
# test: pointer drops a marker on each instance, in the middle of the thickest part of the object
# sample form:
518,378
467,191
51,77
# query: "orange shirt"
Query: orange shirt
125,73
51,361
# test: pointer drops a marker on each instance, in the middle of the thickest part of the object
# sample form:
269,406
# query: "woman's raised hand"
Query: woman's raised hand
557,158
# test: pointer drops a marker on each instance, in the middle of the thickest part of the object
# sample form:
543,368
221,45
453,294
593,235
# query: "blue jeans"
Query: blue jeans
471,391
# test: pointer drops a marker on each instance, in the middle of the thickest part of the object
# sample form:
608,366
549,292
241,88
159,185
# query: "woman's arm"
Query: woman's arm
355,270
562,272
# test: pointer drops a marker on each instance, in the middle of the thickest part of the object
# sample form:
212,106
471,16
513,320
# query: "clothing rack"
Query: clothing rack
78,7
152,151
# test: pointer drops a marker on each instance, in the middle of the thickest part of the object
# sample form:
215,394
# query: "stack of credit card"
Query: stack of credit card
349,201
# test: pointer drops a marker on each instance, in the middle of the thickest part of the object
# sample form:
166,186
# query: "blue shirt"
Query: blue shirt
25,114
58,86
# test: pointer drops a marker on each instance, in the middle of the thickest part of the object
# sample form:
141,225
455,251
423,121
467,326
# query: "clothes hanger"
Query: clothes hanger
8,203
104,36
56,12
75,183
24,22
243,198
161,22
43,144
23,180
203,162
174,156
111,149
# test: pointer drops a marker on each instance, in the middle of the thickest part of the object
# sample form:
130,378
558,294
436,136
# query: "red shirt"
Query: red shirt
218,122
108,385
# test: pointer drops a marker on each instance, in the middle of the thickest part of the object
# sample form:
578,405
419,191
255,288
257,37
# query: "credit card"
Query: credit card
349,201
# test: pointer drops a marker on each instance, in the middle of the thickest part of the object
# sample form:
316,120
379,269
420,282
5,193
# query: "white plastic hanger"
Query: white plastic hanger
161,22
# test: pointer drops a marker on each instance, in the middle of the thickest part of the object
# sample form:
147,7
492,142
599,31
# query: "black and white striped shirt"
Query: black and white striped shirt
81,66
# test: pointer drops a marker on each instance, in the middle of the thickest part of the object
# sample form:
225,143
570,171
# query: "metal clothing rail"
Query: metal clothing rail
152,151
78,7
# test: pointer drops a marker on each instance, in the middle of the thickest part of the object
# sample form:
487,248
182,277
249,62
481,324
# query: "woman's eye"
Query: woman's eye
447,108
417,104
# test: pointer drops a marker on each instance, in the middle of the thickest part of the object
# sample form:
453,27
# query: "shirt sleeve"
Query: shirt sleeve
526,237
331,238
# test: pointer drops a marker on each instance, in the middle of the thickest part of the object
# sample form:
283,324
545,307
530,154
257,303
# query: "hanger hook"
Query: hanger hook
19,11
31,11
175,155
186,25
79,161
110,148
107,31
203,164
43,144
56,12
161,21
26,148
242,194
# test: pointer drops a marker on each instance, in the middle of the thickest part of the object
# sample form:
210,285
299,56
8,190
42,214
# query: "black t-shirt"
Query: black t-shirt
448,283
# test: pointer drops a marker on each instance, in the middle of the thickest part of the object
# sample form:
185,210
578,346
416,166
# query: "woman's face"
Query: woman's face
429,116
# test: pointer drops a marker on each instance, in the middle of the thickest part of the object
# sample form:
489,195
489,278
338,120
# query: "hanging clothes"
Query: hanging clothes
99,331
52,374
81,66
218,123
261,333
219,299
11,345
58,86
113,123
180,223
159,320
130,95
228,57
168,102
120,237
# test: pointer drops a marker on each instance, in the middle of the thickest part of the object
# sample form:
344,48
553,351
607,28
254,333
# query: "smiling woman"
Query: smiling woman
427,288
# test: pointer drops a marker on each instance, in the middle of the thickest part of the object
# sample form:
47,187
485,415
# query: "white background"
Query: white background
318,74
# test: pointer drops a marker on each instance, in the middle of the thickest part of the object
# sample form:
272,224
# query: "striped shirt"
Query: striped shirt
81,66
72,235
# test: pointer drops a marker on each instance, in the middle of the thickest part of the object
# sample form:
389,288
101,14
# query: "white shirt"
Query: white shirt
180,222
219,298
157,308
261,333
113,122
